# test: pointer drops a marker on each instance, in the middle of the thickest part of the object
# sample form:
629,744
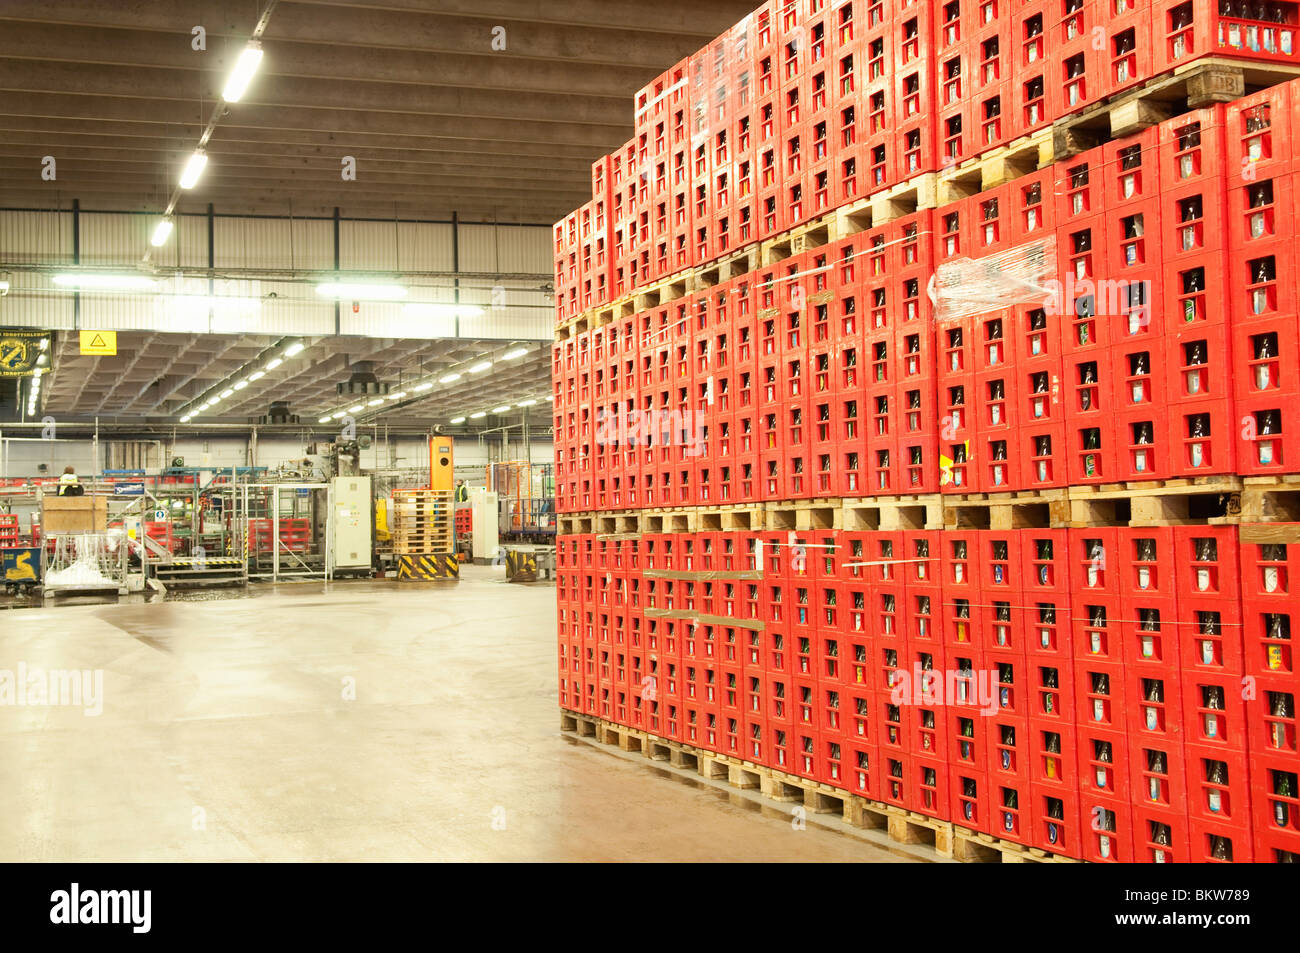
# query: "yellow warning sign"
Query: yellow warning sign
99,342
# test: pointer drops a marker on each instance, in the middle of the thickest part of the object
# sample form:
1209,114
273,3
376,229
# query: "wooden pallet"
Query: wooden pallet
1270,499
803,516
891,513
995,167
1173,502
902,827
731,265
422,543
1208,500
976,847
1199,83
1006,511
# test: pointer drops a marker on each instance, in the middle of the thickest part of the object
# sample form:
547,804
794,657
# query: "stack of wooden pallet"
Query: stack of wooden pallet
424,534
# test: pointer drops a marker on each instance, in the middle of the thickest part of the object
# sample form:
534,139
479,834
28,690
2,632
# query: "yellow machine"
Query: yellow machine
441,468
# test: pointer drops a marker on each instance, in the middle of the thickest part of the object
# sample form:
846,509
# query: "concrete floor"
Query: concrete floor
226,735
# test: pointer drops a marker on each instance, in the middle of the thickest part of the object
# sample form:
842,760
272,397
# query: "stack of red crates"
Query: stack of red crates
161,533
1087,693
295,534
1069,690
1162,347
809,105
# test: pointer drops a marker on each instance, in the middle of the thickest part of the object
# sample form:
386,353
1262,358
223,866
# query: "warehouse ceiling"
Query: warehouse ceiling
159,375
436,119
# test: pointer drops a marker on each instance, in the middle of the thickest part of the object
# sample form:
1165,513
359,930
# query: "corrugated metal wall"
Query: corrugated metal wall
513,309
35,237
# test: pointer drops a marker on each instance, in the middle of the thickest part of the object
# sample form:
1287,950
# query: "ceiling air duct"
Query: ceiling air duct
363,382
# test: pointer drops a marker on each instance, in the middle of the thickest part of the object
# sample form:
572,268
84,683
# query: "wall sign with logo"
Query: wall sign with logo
19,351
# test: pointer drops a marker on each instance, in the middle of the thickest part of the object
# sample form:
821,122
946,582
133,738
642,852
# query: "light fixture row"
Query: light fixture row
34,390
217,397
250,58
450,377
98,281
479,415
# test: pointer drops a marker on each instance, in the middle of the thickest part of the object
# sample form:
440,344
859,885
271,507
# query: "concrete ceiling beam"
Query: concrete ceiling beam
272,140
219,175
189,87
286,58
321,121
30,145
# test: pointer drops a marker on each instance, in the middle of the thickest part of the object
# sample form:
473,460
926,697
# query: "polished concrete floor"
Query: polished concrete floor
356,721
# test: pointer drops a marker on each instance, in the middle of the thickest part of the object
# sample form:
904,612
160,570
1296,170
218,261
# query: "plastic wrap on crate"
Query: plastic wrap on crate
966,287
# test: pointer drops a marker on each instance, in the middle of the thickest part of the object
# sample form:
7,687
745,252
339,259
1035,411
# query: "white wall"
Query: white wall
22,457
250,254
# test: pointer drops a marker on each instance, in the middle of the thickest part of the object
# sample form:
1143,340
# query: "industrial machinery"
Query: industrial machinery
484,530
351,525
285,530
526,501
525,519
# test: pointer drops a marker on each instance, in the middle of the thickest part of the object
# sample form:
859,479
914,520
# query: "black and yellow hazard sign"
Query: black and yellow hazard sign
19,351
440,566
99,343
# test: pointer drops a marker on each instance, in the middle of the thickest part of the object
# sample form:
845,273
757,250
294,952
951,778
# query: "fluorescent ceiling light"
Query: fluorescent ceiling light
295,348
194,169
162,231
185,419
357,409
227,392
214,400
240,385
273,364
204,406
360,290
449,379
40,360
45,343
551,398
516,353
325,420
398,396
376,402
480,367
256,376
109,282
481,413
421,388
500,410
527,403
4,287
243,72
340,415
458,420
